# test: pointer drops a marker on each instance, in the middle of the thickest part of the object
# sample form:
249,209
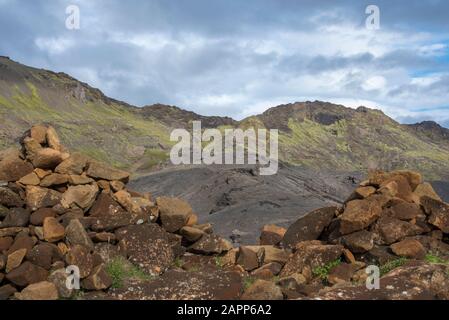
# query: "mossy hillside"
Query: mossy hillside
105,132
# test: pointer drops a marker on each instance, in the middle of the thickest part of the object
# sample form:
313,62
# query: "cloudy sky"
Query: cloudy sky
238,58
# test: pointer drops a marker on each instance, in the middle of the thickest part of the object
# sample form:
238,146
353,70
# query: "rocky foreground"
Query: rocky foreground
59,210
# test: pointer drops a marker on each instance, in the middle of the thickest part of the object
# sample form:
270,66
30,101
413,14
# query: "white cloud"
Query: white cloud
54,46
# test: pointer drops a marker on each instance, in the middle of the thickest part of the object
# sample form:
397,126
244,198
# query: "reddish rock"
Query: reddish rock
98,279
7,291
272,234
21,242
309,227
5,243
248,259
47,158
26,274
82,196
9,198
43,255
12,167
30,179
73,165
402,210
54,179
182,285
39,291
438,212
81,257
147,246
392,230
53,230
358,242
409,248
174,213
37,218
263,290
359,214
210,244
39,134
76,234
310,255
99,170
37,197
15,259
17,217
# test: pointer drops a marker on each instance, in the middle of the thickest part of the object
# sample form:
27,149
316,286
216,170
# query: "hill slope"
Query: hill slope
312,134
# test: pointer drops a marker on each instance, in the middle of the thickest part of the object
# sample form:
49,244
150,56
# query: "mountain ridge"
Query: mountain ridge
312,134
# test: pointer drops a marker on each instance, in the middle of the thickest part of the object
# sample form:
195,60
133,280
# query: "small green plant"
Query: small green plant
435,258
248,281
120,269
391,265
178,262
219,262
323,271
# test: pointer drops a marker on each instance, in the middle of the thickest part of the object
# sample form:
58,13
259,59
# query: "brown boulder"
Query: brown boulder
392,230
30,179
53,230
26,274
402,210
174,213
7,291
37,218
310,255
8,232
409,248
17,217
80,179
424,189
15,259
248,259
272,234
210,244
76,234
39,291
191,234
59,278
82,196
5,243
81,257
309,227
438,212
22,242
9,198
54,179
271,253
342,273
74,165
39,134
37,197
263,290
53,139
12,167
358,242
99,279
109,215
181,285
147,246
43,255
359,214
99,170
47,158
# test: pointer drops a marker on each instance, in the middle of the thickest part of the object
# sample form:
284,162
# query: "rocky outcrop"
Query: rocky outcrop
62,210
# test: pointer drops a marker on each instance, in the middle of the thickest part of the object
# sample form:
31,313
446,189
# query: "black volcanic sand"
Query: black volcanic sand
238,202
